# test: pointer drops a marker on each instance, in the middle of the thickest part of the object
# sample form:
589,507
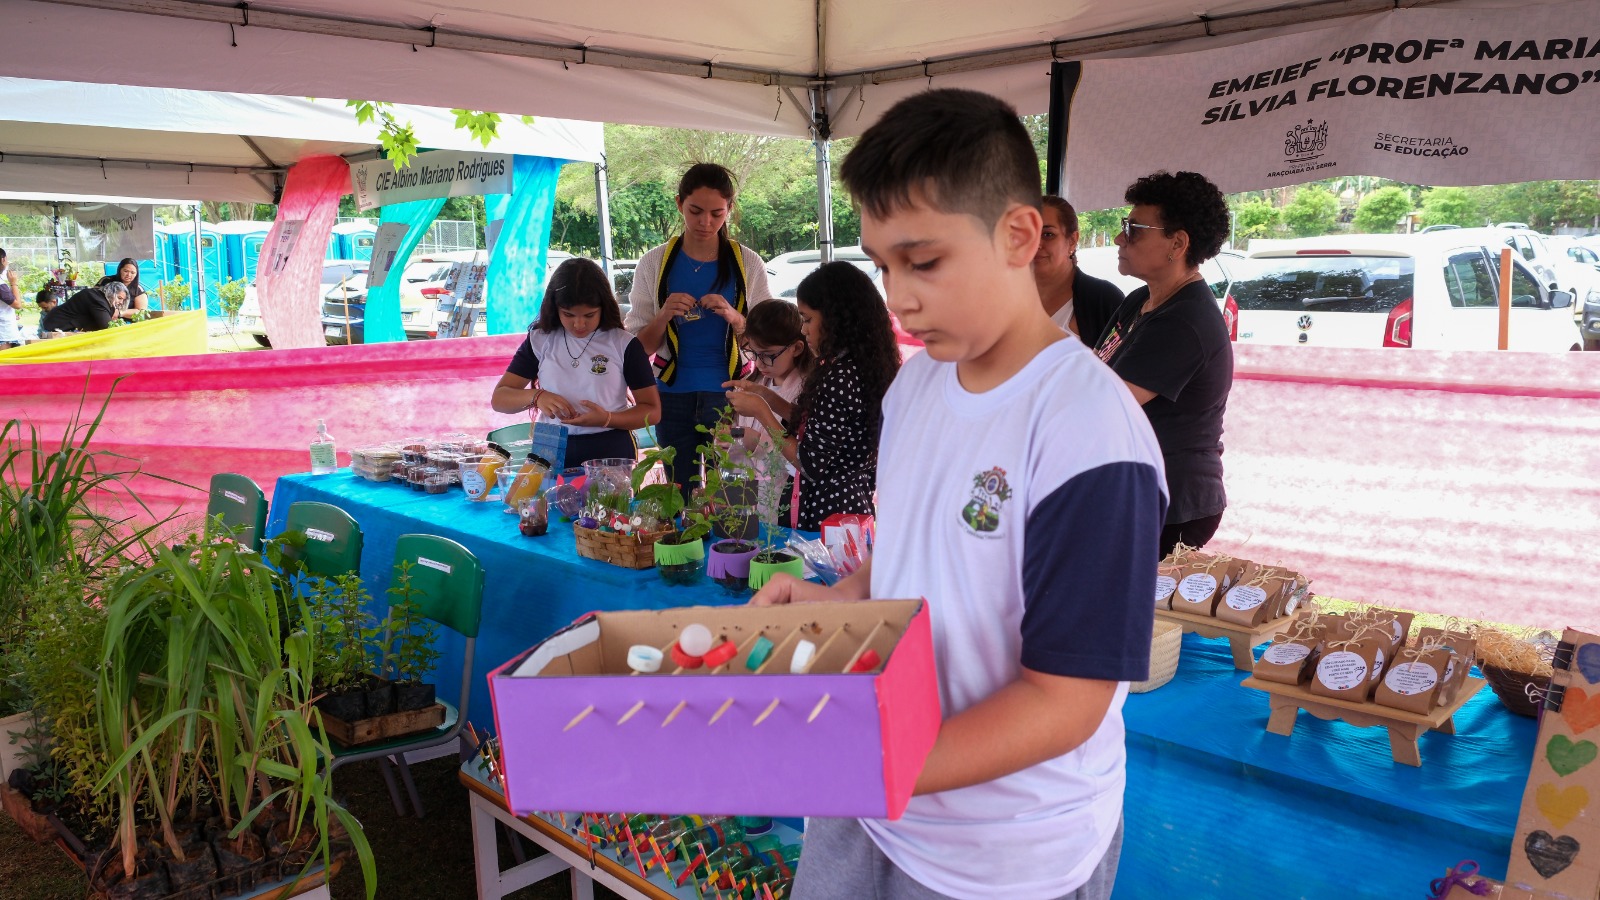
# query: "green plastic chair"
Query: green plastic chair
449,582
511,433
240,503
333,539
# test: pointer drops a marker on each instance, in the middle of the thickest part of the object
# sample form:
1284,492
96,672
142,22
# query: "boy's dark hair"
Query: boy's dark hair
45,295
1188,201
958,151
776,323
855,323
578,282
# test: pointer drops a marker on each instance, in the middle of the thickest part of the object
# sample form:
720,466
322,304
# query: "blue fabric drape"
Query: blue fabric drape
517,263
383,303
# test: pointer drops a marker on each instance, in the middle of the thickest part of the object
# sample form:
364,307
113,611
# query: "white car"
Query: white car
1436,291
1220,272
785,271
349,272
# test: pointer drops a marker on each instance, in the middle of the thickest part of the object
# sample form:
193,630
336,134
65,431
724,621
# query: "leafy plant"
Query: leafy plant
665,498
411,634
174,294
725,474
231,295
343,632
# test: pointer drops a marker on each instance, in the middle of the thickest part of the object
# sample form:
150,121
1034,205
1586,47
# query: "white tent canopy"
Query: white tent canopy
716,64
114,141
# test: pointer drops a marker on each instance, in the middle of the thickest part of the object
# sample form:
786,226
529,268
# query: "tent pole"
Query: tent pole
602,205
820,132
55,229
199,262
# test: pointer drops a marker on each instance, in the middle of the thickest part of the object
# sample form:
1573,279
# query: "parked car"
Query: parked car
1580,265
350,273
1220,272
344,306
421,284
786,270
1437,291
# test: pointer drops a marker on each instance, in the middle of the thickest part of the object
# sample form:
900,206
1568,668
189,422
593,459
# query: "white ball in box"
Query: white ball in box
579,730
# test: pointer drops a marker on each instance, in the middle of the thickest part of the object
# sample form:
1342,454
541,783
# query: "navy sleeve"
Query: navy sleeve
5,295
1089,560
636,368
525,364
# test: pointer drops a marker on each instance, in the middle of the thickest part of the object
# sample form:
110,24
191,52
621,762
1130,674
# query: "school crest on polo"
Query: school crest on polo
990,491
598,363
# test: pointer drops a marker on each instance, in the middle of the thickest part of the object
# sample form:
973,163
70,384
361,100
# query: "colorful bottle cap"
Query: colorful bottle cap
684,660
695,639
866,662
758,653
803,651
644,658
720,654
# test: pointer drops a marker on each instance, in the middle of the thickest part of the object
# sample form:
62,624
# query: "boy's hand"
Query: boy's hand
785,588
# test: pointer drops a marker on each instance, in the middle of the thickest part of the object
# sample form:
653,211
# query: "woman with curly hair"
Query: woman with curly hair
1169,344
832,436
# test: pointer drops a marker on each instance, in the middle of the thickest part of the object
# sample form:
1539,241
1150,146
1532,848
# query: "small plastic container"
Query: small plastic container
414,453
398,472
479,475
533,517
529,479
436,482
418,476
609,482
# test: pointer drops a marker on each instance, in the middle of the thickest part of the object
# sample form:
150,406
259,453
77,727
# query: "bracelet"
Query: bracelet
536,393
608,419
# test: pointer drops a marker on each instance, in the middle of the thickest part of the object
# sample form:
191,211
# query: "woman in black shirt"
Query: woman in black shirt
832,440
1169,344
90,309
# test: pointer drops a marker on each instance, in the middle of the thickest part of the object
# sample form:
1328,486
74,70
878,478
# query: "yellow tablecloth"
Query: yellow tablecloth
178,334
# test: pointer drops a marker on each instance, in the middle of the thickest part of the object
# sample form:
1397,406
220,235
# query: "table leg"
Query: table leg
486,856
1244,657
1448,726
1403,744
1281,719
582,885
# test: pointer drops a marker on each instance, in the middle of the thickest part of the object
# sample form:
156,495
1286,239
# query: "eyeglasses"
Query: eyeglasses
765,359
1128,226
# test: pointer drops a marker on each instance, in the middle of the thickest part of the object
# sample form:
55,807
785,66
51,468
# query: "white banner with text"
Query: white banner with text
110,233
437,173
1432,96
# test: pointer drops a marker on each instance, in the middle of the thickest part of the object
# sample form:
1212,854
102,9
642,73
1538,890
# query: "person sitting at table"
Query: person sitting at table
578,365
128,274
91,309
833,441
46,301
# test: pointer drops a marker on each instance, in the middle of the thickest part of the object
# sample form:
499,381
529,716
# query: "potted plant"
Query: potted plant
730,480
410,642
343,633
772,477
680,552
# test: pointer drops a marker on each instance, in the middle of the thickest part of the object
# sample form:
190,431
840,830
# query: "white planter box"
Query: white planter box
14,755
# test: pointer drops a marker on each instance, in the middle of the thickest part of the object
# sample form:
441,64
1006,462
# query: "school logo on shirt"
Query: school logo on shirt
597,364
989,494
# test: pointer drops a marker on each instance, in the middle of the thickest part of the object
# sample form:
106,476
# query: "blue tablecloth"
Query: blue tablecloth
1217,807
531,586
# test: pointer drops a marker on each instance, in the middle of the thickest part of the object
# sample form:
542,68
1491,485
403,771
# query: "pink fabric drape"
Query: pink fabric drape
1463,483
291,297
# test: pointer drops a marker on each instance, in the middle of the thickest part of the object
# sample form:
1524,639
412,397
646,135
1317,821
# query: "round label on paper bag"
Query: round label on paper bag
1197,588
1377,666
1342,670
1450,667
1165,585
1285,654
1245,598
1408,679
1399,630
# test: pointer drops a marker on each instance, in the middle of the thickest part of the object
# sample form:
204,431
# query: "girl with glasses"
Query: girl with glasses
578,366
776,347
832,441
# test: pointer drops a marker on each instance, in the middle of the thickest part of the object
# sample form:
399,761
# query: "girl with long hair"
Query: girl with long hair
578,366
688,306
832,440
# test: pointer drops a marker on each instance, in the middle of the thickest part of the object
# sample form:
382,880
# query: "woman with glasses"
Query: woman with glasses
689,301
775,346
1074,299
832,441
1169,344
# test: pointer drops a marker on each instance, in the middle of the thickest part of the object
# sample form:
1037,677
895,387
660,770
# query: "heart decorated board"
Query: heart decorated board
1556,851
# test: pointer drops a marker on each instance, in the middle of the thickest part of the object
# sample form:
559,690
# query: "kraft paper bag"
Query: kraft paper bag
1349,669
1166,584
1292,656
1249,602
1413,681
1398,623
1199,585
1464,654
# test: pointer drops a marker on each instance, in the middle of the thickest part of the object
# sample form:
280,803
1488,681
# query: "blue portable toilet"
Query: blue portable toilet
355,240
242,242
212,256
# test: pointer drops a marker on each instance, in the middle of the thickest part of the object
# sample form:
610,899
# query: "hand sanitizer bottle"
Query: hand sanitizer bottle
324,458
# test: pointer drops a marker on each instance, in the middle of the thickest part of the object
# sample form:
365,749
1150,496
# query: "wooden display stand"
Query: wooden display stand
1404,727
383,728
1242,639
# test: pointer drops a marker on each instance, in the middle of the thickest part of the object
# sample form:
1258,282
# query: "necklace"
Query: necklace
567,347
1170,294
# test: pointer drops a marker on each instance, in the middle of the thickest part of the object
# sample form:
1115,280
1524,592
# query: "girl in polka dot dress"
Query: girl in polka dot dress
831,436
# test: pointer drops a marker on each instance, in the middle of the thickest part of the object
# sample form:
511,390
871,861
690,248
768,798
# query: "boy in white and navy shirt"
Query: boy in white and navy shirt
1020,491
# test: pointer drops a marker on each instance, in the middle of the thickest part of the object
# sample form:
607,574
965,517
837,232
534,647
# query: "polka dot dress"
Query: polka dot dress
838,447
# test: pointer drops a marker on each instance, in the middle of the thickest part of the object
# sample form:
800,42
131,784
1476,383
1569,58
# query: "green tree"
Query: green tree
1255,219
1312,212
1449,206
1381,210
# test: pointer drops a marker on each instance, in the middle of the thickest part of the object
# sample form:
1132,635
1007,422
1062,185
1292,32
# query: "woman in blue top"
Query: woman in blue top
689,299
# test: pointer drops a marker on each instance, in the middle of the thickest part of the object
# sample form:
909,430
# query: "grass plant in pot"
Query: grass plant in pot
771,480
409,635
679,554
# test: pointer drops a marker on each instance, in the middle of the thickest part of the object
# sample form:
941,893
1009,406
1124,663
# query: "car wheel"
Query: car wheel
263,341
1592,344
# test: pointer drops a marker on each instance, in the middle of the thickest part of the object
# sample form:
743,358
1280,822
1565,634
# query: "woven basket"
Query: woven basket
1165,644
630,551
1512,688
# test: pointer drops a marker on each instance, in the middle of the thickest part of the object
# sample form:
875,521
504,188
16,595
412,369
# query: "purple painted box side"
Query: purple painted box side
832,766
